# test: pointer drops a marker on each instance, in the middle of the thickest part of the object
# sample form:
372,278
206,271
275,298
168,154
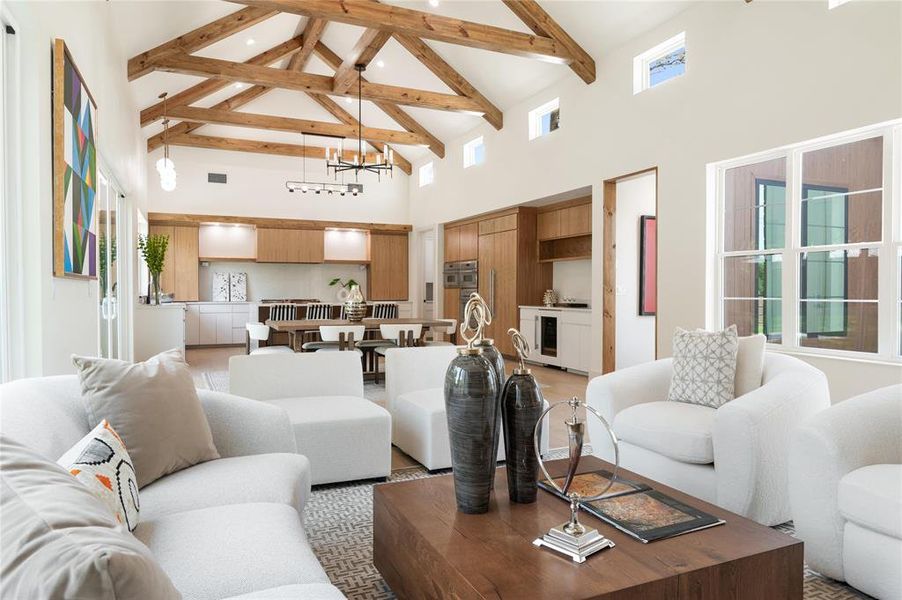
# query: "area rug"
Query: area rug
338,520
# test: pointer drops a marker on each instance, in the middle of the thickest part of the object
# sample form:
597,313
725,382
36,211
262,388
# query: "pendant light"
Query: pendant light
165,166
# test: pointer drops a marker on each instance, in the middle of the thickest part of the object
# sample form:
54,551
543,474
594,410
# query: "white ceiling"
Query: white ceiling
597,26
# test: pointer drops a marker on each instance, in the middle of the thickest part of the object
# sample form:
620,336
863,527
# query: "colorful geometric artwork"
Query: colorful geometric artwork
74,170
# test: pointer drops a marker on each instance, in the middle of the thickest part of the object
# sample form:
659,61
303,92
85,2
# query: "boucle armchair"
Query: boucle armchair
734,456
845,487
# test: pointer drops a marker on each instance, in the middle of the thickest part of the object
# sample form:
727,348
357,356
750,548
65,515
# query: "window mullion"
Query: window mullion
887,336
791,251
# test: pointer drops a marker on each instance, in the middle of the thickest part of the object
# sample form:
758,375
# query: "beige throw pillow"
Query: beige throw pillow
154,408
60,541
750,363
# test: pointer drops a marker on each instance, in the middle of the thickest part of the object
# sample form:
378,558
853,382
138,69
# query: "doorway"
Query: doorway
630,259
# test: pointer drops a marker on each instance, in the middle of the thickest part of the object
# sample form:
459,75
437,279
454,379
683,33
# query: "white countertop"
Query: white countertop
214,302
561,308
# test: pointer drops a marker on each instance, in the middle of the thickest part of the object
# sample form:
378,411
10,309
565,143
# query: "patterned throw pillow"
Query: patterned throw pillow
704,366
101,462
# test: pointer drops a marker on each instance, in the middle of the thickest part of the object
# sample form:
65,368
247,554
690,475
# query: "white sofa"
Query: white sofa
345,436
212,527
734,456
415,388
845,484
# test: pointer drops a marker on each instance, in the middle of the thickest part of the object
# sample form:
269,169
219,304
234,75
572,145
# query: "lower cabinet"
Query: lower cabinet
559,338
215,323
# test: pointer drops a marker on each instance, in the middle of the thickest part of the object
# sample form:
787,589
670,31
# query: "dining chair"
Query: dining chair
396,336
283,312
385,310
260,333
318,311
448,331
340,337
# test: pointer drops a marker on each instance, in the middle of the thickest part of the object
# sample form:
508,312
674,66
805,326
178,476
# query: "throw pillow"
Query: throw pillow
101,462
750,363
60,541
704,366
154,408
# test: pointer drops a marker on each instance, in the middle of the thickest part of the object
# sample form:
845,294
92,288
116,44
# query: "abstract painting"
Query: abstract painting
648,266
74,170
238,287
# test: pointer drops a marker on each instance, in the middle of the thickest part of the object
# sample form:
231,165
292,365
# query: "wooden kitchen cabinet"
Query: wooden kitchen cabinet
452,304
576,220
180,269
498,224
290,245
388,267
548,225
452,244
498,285
462,242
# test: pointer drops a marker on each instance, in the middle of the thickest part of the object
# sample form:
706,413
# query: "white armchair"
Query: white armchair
734,456
845,468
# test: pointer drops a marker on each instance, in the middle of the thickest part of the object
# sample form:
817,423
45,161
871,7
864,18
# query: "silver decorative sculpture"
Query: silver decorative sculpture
573,538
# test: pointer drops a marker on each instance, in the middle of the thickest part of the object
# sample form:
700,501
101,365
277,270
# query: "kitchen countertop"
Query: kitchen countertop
561,308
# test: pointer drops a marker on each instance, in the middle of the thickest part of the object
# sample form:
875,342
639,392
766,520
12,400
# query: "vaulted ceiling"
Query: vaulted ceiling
251,75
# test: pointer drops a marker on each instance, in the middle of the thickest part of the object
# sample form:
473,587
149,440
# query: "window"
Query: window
427,174
831,4
545,119
659,64
801,235
474,152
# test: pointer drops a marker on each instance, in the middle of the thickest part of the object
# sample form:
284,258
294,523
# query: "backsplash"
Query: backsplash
573,279
270,280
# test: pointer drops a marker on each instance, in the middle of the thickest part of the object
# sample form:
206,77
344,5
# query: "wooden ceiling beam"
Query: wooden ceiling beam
210,86
363,52
313,31
450,77
541,23
395,19
306,82
392,110
199,38
193,140
347,118
276,123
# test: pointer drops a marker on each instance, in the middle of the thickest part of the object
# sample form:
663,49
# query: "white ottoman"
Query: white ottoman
345,438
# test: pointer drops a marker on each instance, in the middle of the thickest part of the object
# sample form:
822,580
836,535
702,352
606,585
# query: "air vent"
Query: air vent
216,178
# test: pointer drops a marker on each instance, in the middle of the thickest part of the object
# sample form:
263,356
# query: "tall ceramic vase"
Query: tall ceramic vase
355,305
521,406
471,406
491,353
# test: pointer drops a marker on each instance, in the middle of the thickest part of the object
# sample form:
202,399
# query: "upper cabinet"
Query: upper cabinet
289,245
462,242
569,220
388,267
180,269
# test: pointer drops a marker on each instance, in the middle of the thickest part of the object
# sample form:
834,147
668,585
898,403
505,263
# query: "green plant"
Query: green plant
153,251
345,284
104,267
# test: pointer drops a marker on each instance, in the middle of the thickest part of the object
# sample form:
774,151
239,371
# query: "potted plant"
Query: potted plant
344,287
153,250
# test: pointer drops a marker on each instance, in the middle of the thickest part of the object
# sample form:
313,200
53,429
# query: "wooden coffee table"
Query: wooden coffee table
424,548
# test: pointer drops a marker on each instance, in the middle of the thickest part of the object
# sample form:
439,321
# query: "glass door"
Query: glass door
109,227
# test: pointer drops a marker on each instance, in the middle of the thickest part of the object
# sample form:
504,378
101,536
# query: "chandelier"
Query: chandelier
165,166
318,187
335,160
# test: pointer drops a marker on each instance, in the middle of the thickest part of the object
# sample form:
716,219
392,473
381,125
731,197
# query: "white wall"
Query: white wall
272,281
256,187
572,279
61,314
750,84
635,339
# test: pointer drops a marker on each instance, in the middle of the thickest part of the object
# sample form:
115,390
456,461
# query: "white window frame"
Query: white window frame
641,78
831,4
888,248
470,152
426,174
535,118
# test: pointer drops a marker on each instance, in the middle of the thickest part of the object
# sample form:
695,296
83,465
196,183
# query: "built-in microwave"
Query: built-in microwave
451,275
464,274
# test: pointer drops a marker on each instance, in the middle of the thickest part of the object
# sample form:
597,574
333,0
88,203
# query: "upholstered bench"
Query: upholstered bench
344,436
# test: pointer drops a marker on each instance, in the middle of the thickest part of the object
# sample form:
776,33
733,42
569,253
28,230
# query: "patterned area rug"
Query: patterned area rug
338,520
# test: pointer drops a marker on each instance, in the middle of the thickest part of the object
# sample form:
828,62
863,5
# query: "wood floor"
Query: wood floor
556,385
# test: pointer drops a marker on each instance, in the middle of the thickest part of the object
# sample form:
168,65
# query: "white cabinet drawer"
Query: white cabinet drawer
214,308
239,307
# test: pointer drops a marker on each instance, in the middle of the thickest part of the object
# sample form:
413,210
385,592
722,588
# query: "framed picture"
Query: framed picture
74,170
648,266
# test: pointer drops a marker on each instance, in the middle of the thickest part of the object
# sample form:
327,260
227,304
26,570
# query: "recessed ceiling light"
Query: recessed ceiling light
348,99
433,2
239,85
251,42
380,63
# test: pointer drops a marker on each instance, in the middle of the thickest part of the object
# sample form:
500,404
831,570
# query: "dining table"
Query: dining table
298,328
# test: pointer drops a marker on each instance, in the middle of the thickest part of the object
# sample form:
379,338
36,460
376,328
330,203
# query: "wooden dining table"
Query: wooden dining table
298,328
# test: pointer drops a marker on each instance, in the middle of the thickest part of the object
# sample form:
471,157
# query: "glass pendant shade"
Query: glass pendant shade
165,164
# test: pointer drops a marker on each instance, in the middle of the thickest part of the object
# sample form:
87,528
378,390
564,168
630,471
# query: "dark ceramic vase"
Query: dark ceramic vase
521,406
471,407
490,352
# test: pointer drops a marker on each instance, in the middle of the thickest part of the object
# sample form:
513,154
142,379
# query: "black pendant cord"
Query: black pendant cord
359,116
